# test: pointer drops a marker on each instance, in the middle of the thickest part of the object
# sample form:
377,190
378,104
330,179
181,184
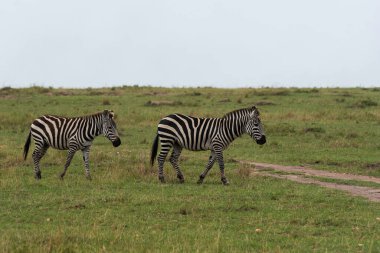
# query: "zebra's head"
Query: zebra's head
109,128
254,127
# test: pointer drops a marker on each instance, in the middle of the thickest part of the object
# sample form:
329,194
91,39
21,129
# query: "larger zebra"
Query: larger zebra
70,134
178,131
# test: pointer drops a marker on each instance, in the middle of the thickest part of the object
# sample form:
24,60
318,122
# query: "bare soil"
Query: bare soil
300,173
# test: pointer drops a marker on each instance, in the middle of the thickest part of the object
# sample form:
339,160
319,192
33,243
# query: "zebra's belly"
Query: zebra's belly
196,146
58,146
195,149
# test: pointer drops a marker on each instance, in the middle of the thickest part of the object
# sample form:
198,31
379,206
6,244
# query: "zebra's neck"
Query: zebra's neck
234,126
98,123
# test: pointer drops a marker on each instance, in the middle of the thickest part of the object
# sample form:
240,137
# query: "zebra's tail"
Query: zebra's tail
27,144
154,150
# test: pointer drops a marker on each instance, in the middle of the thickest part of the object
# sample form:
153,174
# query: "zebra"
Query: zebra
70,134
179,131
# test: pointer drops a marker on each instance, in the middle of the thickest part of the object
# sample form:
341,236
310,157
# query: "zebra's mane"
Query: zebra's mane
111,113
75,117
91,115
240,111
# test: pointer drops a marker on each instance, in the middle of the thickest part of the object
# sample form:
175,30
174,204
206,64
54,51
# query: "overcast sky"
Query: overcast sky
83,43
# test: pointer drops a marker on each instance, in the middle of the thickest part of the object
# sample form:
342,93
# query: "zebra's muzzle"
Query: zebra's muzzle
262,140
116,143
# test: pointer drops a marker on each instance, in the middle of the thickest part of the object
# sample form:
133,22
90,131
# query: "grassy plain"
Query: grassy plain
125,208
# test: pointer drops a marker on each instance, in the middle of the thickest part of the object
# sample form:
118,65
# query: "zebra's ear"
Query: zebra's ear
108,113
254,112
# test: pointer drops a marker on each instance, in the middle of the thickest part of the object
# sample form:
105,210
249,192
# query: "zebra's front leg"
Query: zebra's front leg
174,161
70,156
210,163
219,158
86,155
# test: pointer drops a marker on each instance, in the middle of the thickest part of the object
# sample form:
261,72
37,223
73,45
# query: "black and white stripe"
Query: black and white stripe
70,134
178,131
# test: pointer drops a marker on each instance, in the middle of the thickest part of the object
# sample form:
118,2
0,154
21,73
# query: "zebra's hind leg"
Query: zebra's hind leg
165,148
86,154
70,156
210,163
174,161
37,155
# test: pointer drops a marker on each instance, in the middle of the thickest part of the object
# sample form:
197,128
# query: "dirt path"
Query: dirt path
370,193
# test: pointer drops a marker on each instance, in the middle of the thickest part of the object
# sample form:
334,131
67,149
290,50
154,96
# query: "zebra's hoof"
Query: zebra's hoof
38,176
89,177
225,181
200,180
181,179
162,180
61,176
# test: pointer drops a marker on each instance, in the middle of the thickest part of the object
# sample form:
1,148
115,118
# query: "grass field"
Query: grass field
125,208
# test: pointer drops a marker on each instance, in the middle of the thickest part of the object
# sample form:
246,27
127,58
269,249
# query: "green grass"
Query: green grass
125,208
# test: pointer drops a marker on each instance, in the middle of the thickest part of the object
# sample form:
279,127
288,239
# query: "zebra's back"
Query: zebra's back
189,132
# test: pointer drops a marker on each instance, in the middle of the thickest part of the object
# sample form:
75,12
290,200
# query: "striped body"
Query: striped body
71,134
189,132
179,131
57,132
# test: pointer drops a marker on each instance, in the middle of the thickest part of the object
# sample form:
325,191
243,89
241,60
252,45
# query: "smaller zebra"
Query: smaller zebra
179,131
70,134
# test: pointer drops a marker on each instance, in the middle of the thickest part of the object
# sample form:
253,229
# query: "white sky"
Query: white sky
83,43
